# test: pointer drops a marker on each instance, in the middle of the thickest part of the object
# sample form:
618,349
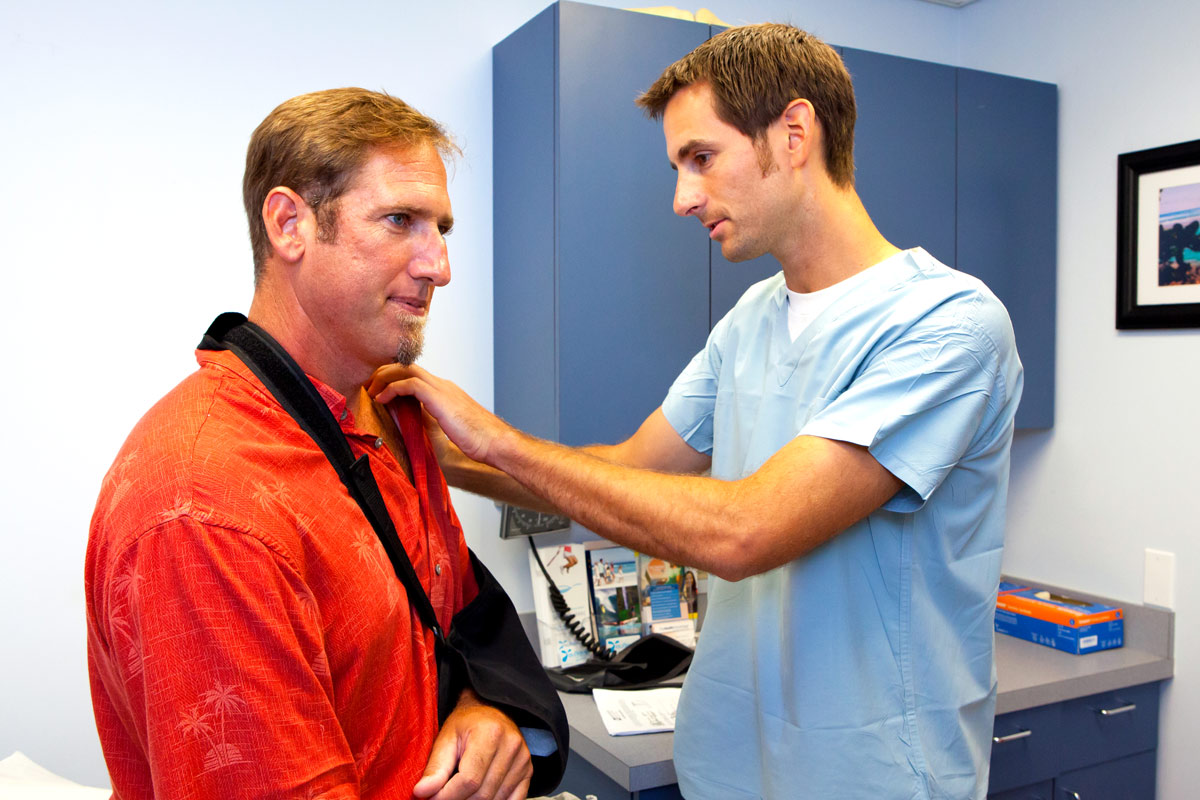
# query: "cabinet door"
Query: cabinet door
1105,726
904,149
1038,791
632,276
1007,211
1129,778
523,215
1025,747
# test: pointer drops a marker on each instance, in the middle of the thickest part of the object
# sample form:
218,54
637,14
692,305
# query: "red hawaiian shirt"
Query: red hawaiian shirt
247,636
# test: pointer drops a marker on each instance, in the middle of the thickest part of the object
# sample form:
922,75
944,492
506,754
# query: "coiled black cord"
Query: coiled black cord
564,612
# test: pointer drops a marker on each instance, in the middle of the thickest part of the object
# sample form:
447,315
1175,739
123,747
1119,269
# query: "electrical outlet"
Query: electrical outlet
1159,587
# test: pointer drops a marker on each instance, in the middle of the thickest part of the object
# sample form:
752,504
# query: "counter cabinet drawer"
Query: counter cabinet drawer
1038,791
1128,778
1025,747
1109,725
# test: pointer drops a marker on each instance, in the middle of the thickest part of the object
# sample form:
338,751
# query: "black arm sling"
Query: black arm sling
486,647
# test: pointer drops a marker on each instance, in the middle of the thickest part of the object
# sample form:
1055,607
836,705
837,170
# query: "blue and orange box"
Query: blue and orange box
1064,623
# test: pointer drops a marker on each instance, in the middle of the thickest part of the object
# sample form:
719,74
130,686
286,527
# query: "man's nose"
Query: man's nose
432,261
687,195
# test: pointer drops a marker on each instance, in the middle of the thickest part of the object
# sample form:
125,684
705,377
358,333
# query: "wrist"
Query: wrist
468,698
506,448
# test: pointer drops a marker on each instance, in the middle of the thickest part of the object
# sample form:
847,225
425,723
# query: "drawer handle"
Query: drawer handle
1069,793
1012,737
1112,712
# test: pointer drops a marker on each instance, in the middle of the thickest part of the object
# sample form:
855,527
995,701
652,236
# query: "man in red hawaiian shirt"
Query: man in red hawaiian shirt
246,634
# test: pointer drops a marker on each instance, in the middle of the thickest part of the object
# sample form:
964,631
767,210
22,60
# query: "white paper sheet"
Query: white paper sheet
626,712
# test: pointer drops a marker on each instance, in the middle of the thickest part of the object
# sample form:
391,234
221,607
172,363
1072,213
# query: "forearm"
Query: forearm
687,519
472,476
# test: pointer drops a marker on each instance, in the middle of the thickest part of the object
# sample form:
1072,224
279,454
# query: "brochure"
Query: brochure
615,604
659,583
565,563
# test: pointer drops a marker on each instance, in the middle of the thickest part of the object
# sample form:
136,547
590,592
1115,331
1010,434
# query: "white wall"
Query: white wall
124,128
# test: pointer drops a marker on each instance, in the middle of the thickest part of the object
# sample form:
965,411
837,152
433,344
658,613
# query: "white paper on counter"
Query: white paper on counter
626,712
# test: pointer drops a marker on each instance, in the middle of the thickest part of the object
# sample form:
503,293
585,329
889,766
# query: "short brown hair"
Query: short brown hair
755,71
315,143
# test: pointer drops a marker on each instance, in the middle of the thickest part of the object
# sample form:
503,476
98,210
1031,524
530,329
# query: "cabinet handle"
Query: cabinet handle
1012,737
1112,712
1069,793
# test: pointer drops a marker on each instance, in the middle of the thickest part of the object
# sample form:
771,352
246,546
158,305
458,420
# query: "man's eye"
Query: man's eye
400,219
445,230
703,159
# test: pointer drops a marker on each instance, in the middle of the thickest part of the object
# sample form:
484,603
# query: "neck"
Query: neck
833,240
284,319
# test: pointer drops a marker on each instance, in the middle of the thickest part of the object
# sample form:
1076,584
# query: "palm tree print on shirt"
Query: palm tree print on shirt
214,707
127,588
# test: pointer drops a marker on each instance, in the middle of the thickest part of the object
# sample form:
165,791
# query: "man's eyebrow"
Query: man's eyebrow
688,147
446,222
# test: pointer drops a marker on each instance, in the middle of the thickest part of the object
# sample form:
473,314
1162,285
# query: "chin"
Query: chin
741,251
409,350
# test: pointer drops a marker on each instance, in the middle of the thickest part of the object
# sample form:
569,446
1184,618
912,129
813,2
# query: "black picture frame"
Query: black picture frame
1173,168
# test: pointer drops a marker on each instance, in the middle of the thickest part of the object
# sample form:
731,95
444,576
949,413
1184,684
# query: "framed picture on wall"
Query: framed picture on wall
1158,237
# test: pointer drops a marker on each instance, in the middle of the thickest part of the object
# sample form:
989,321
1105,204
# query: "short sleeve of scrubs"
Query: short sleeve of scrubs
690,403
918,404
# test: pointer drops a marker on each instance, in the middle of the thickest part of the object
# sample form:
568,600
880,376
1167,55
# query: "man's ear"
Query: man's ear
800,124
287,218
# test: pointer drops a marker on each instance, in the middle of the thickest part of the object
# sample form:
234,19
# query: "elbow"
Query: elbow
741,554
753,548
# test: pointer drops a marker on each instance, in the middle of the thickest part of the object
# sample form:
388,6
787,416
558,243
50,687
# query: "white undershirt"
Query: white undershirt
804,307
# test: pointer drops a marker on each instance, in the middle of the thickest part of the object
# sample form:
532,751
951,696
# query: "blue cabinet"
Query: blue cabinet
602,294
1037,791
904,149
601,291
1102,745
1007,215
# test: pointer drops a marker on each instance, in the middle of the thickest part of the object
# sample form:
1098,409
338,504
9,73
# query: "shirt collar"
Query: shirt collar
227,360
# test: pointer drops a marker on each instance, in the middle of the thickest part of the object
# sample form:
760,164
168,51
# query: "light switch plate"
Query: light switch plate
1159,587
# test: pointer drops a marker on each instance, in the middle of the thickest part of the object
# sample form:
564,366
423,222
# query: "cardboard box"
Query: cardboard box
1064,623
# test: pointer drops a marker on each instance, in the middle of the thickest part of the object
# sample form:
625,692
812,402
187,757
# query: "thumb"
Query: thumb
442,761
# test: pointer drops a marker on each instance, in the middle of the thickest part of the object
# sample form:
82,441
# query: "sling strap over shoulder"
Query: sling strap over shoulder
486,647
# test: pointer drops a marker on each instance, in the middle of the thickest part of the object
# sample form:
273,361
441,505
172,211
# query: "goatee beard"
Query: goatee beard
411,344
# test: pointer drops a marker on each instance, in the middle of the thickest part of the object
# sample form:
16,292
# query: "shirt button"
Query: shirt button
342,418
437,569
379,443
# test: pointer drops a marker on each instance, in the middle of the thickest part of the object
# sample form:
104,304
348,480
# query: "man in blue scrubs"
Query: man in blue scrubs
856,414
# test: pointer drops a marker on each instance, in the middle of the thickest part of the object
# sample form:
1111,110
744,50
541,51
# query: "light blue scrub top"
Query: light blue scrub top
863,669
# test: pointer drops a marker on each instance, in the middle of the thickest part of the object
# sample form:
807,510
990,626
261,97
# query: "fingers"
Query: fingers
442,760
490,774
493,762
395,389
394,377
522,790
520,772
508,767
